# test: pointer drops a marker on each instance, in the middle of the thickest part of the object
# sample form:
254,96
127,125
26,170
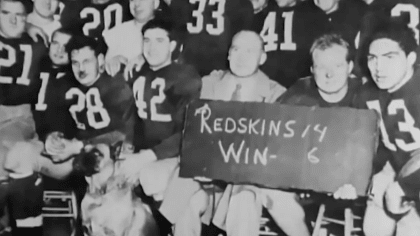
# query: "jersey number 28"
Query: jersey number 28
93,104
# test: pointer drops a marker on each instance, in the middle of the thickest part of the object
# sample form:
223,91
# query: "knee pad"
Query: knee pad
25,197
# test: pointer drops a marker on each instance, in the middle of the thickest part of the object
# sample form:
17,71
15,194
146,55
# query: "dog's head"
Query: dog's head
95,158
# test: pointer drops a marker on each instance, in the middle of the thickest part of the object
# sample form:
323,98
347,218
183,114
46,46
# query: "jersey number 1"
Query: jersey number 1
96,17
93,106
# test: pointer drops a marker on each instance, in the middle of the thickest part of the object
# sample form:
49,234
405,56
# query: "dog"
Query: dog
110,207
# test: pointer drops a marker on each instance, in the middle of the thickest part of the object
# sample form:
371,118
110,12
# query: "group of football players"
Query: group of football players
75,72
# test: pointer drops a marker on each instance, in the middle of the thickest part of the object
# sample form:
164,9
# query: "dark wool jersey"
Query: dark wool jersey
105,107
400,125
288,34
93,19
305,93
347,20
207,27
19,69
161,97
51,111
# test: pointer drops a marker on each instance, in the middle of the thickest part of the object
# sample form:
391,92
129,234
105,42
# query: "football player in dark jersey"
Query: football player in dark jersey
162,89
209,27
101,106
331,83
20,61
51,113
390,59
288,32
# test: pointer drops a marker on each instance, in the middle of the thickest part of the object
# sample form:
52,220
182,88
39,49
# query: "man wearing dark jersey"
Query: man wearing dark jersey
162,89
390,59
20,61
209,27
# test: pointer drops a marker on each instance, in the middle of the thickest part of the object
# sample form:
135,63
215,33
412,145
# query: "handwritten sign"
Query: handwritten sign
279,146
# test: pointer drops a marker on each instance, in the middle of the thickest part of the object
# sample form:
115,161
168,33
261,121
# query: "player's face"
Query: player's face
12,19
331,69
245,55
157,48
86,66
57,52
143,10
45,8
388,63
286,3
326,5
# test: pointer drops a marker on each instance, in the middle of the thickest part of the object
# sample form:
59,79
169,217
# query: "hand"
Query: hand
394,199
60,148
54,144
346,192
113,65
133,163
35,31
136,64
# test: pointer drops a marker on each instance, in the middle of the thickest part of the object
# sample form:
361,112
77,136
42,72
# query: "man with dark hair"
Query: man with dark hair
162,89
390,58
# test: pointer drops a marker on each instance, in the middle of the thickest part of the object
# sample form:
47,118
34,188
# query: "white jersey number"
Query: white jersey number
96,16
45,77
198,15
268,33
11,60
414,16
405,126
138,89
93,104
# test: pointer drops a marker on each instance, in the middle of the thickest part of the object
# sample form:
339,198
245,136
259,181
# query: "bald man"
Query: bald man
243,82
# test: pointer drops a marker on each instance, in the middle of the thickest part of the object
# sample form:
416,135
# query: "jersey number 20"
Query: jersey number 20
96,17
93,104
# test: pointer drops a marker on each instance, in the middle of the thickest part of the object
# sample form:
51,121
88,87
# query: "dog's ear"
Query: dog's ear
115,150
